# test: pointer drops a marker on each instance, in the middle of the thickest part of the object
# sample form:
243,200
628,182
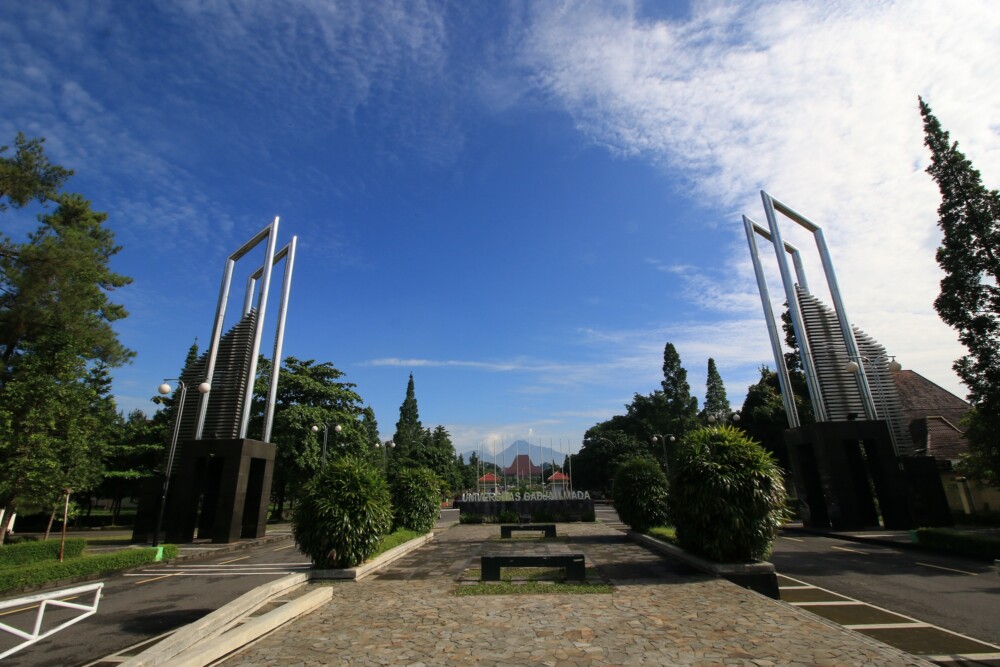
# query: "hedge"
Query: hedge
28,553
37,574
958,542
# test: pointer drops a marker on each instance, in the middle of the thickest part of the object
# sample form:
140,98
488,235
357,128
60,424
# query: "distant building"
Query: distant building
522,467
487,482
933,416
557,484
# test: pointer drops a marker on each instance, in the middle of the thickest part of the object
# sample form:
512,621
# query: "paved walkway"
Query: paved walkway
660,613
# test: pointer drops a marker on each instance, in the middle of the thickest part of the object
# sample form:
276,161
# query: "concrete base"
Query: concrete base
759,577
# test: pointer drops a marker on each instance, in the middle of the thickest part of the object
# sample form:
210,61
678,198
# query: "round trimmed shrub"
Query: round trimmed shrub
342,514
640,493
727,497
416,499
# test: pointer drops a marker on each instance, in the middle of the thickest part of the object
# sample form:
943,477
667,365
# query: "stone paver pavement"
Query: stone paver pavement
660,613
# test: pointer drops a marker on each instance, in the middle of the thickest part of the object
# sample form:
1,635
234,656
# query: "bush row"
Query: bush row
346,509
37,574
725,496
26,553
958,542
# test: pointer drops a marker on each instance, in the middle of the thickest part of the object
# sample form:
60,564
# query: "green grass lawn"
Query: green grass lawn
531,581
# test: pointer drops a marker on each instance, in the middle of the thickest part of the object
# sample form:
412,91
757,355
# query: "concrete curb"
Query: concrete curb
211,625
759,577
190,645
363,570
180,558
207,652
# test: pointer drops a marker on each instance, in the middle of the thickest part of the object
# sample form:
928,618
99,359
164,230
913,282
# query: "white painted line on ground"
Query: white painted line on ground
853,551
287,546
828,603
949,569
963,657
795,588
886,626
233,560
241,573
195,565
793,539
888,611
146,581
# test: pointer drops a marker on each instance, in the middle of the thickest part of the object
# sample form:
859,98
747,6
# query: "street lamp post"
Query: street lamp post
165,389
664,439
315,429
385,447
733,417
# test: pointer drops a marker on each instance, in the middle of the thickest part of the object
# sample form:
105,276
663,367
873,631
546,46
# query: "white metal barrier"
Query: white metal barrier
45,600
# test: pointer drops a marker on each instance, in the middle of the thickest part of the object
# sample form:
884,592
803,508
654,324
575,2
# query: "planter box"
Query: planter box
759,577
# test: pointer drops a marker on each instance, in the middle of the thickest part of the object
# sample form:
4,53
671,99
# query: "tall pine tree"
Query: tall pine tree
969,301
716,402
681,405
409,432
56,324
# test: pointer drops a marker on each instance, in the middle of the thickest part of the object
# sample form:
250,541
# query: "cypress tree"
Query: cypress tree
969,301
716,402
681,405
409,432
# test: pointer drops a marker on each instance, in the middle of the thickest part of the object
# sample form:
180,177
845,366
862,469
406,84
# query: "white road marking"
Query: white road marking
853,551
949,569
895,613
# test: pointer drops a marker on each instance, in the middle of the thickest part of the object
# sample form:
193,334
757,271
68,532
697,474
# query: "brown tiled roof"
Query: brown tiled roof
522,465
933,415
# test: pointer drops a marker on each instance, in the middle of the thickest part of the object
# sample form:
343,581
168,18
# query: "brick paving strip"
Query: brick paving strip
660,613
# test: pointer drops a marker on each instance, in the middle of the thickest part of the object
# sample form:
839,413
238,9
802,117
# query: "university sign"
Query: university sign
530,495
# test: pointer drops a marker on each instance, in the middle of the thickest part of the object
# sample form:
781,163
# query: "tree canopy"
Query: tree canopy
56,336
969,300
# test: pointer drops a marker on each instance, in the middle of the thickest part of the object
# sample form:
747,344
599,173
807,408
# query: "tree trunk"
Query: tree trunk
48,528
8,515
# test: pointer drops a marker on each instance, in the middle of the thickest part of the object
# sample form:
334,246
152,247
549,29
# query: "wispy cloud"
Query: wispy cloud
814,101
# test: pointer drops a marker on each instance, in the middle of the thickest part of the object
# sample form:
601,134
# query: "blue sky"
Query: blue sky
519,203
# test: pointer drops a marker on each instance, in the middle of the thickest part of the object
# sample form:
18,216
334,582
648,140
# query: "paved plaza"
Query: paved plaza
660,613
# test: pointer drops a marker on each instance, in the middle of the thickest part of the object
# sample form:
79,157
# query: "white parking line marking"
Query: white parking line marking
949,569
962,656
888,611
793,539
886,626
233,560
853,551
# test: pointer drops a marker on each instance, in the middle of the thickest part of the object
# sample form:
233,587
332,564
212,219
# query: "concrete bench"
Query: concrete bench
574,564
548,528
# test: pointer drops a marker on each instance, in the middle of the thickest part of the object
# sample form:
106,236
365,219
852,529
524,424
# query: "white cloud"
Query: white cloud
813,101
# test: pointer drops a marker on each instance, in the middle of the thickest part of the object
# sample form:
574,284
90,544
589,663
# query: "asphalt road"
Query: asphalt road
147,603
953,593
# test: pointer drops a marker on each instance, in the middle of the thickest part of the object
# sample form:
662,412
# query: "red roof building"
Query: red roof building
522,465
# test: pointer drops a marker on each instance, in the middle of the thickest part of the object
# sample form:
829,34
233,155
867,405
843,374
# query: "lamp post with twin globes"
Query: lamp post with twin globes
336,429
669,437
165,389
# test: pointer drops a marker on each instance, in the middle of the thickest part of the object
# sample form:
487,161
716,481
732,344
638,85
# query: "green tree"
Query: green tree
27,175
603,451
309,394
56,324
969,301
132,455
716,402
681,405
409,431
